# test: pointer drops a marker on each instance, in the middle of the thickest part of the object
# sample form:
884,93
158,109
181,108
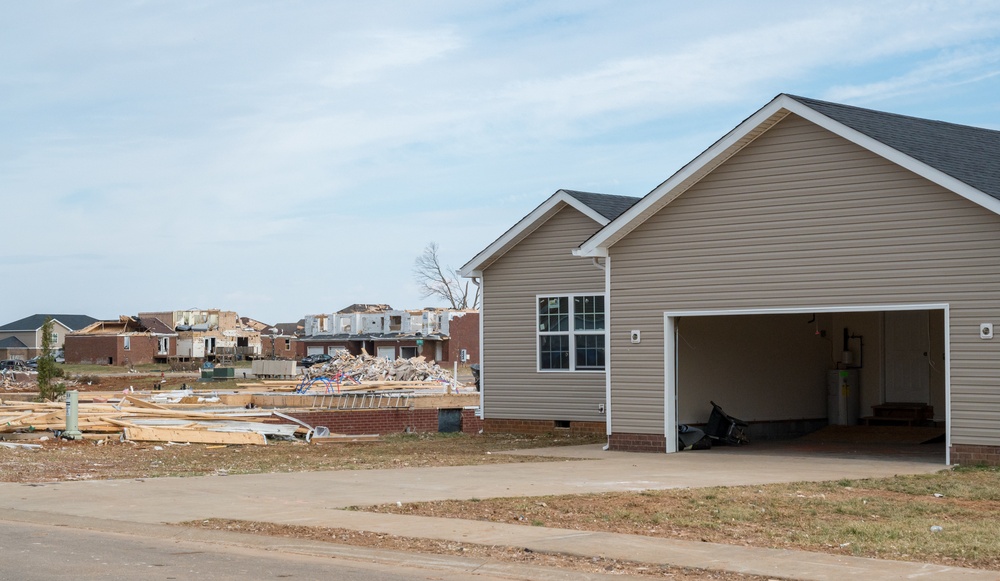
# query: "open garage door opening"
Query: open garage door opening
856,378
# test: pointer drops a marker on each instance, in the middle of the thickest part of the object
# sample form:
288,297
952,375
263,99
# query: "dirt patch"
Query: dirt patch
494,553
109,383
59,460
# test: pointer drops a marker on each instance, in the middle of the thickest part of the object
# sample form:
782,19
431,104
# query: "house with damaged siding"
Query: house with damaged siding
127,341
201,333
437,334
813,238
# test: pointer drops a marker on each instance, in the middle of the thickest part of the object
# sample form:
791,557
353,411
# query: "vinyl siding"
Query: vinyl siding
542,263
801,218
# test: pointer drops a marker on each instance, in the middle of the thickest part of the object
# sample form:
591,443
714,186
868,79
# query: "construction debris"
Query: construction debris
348,369
135,419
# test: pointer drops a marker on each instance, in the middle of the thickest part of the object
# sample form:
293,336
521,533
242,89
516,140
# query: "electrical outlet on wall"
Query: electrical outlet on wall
636,336
985,330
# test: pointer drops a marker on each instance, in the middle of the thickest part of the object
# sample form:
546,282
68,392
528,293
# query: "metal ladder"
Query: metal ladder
363,401
373,401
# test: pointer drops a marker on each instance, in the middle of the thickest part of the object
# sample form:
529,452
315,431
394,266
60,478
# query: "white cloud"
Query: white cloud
335,140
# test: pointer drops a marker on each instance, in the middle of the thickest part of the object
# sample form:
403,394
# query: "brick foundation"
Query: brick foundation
972,455
620,442
505,426
392,421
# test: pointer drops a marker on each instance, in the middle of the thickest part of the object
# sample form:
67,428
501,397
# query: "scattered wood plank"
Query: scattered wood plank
345,439
194,436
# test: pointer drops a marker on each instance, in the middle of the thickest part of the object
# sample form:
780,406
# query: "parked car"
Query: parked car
316,359
13,364
32,363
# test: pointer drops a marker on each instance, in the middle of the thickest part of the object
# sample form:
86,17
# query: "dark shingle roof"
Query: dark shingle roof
155,325
12,343
607,205
291,328
74,322
968,154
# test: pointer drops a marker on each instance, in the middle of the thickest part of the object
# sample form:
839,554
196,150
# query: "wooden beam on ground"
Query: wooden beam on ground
161,434
344,439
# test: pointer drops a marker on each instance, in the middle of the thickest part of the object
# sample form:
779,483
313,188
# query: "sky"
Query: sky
288,158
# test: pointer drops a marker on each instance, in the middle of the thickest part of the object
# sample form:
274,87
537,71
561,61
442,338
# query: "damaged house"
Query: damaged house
127,341
210,334
442,335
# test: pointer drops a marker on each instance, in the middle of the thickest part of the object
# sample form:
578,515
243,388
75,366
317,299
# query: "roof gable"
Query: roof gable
601,208
12,343
35,322
957,157
966,153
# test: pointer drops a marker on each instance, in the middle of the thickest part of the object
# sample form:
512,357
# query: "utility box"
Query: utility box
843,397
222,373
273,368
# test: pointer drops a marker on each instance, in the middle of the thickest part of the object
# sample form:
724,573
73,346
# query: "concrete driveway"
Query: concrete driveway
315,497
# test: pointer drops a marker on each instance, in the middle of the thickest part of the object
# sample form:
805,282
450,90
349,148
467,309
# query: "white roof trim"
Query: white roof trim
527,225
663,194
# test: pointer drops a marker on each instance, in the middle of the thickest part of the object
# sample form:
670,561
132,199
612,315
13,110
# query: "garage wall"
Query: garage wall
757,367
870,376
541,263
802,218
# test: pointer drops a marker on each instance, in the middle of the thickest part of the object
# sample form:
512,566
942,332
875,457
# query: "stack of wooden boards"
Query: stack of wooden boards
142,421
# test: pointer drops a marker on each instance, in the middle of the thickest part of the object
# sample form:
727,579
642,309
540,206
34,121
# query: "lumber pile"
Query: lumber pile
139,420
364,368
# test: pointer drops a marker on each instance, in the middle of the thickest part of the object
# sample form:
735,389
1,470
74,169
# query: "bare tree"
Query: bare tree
443,282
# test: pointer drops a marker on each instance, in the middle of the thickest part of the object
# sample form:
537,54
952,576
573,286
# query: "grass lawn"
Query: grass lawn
887,518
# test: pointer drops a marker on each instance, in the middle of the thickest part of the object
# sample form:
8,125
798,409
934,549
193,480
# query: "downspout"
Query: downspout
607,402
482,384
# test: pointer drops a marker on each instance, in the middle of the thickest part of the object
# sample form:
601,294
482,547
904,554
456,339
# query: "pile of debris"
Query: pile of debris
365,368
138,420
18,380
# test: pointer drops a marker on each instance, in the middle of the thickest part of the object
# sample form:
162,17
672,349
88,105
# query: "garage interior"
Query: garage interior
852,377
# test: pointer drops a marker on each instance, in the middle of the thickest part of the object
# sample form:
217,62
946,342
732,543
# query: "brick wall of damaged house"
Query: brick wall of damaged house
464,333
110,349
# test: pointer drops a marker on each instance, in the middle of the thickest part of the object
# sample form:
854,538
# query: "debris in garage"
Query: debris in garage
726,429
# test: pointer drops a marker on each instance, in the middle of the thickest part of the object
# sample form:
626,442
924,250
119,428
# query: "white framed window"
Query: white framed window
571,332
128,342
163,345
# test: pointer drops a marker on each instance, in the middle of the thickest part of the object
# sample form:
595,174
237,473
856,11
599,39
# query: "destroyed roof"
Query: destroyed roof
12,343
155,325
255,324
373,337
294,329
35,322
365,308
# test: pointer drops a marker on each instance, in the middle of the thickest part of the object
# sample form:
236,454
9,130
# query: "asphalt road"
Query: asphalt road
33,552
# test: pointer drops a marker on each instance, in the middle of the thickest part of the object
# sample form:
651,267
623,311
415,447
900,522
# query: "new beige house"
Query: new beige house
22,339
818,263
543,351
